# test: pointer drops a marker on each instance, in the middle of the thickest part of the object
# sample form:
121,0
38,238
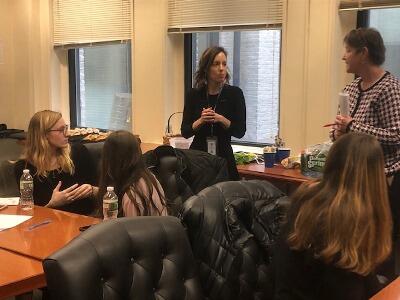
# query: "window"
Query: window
254,65
100,86
387,22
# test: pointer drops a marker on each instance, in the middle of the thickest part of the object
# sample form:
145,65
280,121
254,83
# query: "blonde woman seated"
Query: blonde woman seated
63,176
339,228
139,192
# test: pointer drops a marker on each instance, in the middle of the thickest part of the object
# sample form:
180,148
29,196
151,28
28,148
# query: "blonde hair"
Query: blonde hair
37,147
345,218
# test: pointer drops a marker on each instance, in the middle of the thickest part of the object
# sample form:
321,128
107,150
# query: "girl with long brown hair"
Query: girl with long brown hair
339,228
139,192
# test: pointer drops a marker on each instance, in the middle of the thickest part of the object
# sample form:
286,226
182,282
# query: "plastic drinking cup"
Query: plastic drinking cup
269,159
281,154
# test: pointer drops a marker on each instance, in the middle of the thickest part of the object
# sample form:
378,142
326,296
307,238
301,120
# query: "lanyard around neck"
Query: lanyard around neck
218,96
215,106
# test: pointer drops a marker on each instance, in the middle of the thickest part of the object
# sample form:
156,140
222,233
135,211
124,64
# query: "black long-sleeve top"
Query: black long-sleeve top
43,186
299,275
230,104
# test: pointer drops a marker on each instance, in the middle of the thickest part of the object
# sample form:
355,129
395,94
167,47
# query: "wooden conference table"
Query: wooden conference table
287,180
19,274
22,249
390,292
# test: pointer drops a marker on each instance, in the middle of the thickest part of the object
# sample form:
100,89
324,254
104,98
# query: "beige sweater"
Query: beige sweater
129,208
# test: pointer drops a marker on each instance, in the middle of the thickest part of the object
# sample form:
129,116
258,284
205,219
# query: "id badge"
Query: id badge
212,145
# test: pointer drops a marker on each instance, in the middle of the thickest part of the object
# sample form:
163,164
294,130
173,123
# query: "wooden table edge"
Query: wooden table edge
26,285
259,175
389,292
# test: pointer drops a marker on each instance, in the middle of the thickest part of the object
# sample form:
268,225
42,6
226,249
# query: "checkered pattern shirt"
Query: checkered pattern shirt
376,111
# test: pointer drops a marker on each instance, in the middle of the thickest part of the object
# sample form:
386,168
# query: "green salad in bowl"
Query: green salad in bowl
242,158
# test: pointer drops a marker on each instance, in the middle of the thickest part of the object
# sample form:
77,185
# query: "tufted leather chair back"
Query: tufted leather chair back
128,258
232,227
95,151
8,184
184,172
169,168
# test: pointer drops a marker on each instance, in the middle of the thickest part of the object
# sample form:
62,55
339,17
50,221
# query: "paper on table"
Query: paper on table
9,201
8,221
344,104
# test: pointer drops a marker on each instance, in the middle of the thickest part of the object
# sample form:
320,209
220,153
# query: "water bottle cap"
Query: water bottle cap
110,188
25,171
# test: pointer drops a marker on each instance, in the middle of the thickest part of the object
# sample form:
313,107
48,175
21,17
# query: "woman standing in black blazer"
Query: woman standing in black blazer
214,111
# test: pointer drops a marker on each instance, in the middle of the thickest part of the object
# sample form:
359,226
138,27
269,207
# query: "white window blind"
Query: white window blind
78,22
104,86
209,15
367,4
387,21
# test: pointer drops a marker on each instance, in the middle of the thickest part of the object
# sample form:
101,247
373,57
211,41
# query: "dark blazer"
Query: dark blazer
231,104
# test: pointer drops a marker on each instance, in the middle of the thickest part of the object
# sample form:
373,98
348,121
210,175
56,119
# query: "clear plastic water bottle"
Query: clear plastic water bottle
26,190
110,204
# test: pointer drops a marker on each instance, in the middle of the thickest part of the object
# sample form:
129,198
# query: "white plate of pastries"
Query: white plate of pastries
89,134
83,131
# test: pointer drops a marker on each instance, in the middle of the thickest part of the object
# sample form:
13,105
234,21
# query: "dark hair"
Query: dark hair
348,207
122,167
369,38
206,60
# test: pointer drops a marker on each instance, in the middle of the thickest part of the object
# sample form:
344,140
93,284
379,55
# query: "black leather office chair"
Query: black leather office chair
8,184
95,151
128,258
232,227
184,172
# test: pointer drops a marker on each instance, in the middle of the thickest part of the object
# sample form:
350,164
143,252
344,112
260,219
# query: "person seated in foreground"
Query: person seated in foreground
139,192
338,229
63,176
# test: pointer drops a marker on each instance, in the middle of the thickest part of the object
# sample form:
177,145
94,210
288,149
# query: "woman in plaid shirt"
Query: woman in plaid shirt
374,104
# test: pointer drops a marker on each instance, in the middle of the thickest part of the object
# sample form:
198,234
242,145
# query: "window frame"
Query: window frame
73,76
362,18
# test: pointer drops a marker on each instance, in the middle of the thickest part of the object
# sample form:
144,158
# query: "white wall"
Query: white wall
312,72
157,70
34,76
25,73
